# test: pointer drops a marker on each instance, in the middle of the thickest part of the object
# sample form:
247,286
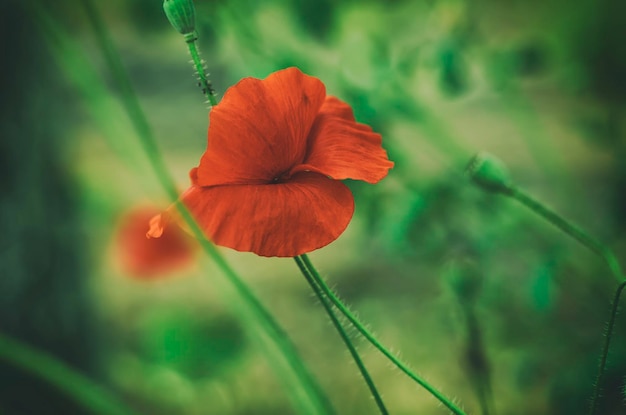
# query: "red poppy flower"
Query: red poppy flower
268,182
147,258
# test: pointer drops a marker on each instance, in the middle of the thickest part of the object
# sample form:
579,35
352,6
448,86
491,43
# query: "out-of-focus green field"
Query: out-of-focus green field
478,294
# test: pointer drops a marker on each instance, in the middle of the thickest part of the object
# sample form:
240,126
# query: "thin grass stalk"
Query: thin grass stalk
78,387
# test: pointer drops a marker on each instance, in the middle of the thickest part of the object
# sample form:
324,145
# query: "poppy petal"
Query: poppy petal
284,219
341,148
147,258
259,130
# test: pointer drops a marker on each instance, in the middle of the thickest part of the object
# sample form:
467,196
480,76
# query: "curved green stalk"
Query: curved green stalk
594,246
205,84
81,389
372,339
605,349
575,232
309,397
344,336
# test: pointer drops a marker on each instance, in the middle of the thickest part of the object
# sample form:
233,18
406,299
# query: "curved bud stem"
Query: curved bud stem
501,184
570,229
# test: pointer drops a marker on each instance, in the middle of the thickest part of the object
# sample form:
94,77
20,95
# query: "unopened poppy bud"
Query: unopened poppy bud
489,173
182,15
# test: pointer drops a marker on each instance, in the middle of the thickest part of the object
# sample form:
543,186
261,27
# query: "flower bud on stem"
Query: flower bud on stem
490,173
182,16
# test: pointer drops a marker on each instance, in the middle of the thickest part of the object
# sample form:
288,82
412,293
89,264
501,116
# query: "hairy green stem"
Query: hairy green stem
81,389
205,84
344,336
312,400
605,349
374,341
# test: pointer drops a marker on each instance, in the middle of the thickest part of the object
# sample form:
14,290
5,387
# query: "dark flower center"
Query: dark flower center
281,178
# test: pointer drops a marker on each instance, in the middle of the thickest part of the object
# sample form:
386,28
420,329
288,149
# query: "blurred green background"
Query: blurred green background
480,296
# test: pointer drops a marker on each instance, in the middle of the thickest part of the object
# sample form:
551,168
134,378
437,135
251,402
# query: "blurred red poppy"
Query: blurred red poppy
148,258
268,181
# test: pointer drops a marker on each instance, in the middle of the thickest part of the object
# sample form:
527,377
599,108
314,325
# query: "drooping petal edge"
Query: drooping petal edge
341,148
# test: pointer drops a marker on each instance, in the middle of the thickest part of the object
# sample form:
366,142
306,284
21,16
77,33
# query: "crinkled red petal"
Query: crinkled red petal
259,130
287,219
341,148
147,258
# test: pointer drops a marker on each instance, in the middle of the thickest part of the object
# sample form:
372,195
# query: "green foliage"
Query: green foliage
477,293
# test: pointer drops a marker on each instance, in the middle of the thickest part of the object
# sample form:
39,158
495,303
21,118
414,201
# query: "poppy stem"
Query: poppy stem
597,248
605,349
203,80
304,390
374,341
182,17
570,229
342,332
490,174
42,365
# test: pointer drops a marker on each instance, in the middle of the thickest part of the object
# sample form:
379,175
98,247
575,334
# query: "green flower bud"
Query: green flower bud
489,173
182,15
